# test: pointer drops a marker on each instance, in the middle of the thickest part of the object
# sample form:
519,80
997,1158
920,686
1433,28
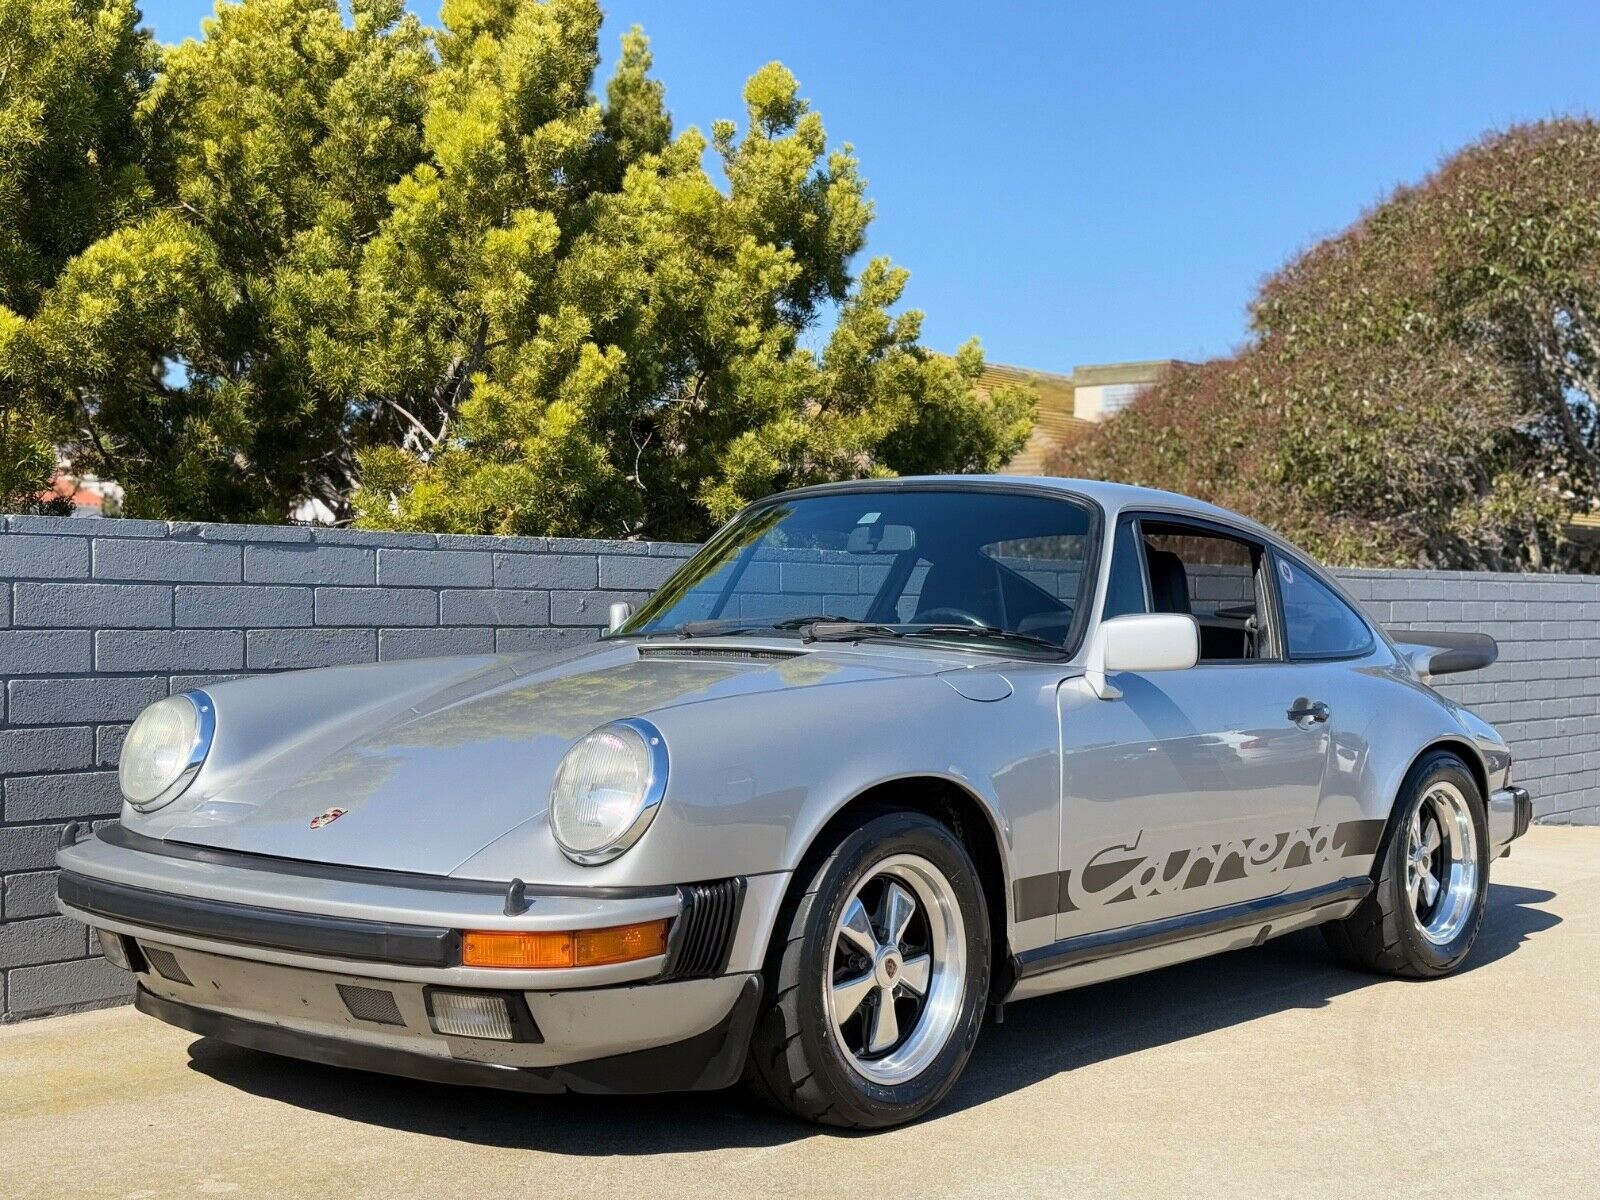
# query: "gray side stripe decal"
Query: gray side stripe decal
1119,873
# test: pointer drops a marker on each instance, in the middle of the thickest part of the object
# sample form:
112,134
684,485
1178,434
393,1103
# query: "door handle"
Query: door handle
1303,709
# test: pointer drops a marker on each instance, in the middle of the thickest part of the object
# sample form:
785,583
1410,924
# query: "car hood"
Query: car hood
426,786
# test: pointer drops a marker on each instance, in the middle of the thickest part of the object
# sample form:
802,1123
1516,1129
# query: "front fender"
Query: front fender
753,779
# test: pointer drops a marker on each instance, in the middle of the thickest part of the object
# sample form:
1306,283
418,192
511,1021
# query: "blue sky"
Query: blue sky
1095,182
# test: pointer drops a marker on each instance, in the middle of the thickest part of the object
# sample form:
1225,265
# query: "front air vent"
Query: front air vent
371,1004
166,964
736,653
703,938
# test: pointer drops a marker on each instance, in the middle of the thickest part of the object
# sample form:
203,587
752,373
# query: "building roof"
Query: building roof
1584,527
1146,371
1054,422
69,488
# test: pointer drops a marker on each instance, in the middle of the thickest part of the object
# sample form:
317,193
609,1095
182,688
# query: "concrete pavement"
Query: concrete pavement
1264,1073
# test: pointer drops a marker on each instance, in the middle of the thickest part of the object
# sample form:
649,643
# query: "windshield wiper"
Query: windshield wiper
829,628
715,625
844,631
987,631
712,627
812,619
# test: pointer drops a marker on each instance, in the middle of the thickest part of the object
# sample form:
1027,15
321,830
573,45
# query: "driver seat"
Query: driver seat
970,584
1169,582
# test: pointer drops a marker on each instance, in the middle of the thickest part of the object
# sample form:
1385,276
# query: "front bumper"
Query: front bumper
1510,814
708,1060
279,955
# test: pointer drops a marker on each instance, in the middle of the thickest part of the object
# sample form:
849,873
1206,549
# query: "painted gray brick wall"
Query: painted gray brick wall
99,618
1543,694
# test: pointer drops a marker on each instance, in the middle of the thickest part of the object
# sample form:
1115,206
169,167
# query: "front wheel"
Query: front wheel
1432,879
881,979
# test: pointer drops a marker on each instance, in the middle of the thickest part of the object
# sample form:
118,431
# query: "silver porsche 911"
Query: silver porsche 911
879,759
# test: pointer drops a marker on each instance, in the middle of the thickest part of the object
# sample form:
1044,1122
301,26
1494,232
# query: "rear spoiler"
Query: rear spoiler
1433,652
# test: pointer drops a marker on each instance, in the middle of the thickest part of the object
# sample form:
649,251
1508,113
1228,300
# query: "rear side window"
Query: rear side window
1317,623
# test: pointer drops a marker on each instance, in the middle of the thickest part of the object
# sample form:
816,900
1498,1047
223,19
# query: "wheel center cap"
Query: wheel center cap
887,968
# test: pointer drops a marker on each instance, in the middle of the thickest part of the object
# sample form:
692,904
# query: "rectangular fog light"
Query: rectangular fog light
470,1014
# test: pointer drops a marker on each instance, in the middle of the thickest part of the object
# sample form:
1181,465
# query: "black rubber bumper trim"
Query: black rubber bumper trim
250,925
1091,947
713,1059
122,837
1524,811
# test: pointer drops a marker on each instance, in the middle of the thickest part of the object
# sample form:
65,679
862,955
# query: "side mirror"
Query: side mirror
1141,642
620,612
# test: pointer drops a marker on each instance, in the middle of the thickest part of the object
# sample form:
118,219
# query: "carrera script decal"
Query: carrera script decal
1120,873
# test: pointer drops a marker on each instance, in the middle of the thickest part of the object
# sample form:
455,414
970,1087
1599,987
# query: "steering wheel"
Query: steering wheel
949,616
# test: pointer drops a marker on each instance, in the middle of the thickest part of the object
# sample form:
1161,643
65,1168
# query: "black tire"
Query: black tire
1383,935
795,1061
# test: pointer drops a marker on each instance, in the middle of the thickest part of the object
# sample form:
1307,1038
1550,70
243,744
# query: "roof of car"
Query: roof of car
1113,497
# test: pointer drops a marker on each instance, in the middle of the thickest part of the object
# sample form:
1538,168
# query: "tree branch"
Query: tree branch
1550,377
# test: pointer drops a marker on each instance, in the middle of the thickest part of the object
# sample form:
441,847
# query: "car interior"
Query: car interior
1015,563
1213,578
963,586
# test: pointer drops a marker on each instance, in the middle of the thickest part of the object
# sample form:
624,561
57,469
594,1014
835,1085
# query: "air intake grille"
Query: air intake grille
371,1004
165,963
704,937
716,652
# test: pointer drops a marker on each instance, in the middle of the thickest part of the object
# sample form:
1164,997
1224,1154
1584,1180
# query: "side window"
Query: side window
1317,623
1214,578
1125,589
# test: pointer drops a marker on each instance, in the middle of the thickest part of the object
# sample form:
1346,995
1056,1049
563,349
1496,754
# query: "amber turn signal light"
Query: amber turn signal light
564,948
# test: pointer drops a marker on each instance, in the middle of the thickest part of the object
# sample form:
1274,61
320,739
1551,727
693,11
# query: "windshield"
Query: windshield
962,562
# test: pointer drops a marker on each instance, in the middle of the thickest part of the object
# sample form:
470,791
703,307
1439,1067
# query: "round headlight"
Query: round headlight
165,749
607,789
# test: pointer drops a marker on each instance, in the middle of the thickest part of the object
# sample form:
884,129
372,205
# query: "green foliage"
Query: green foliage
72,74
437,281
27,456
72,154
205,348
571,329
1421,389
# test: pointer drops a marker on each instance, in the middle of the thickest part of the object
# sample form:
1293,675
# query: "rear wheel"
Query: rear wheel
1433,877
881,979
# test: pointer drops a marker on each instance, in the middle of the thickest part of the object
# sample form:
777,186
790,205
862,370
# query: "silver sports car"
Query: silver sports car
881,758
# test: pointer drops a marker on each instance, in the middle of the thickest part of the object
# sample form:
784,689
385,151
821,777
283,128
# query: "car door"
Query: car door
1328,643
1192,790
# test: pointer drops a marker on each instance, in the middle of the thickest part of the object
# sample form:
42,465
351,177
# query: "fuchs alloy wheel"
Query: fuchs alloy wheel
1432,879
898,976
1441,863
880,980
